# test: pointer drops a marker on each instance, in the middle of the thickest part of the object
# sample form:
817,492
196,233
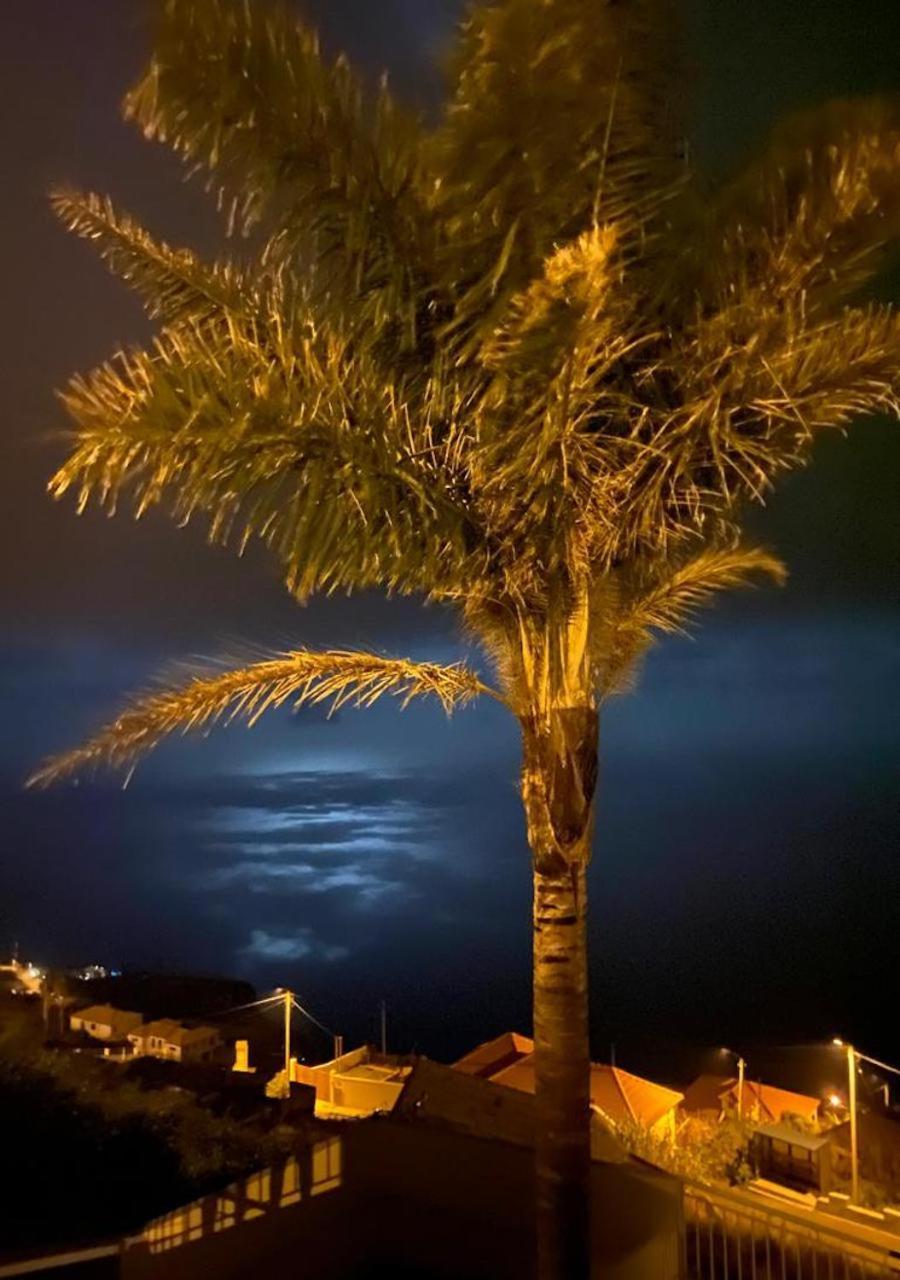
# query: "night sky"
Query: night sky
745,881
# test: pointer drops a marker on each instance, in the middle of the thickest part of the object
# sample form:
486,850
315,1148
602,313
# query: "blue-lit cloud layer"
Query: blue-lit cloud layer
747,797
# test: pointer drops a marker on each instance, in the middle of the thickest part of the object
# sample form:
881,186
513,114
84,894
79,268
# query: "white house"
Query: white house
166,1038
103,1022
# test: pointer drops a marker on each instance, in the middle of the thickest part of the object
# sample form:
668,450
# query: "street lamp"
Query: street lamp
851,1103
854,1058
741,1066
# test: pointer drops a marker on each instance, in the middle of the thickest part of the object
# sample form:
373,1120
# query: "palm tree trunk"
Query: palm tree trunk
558,783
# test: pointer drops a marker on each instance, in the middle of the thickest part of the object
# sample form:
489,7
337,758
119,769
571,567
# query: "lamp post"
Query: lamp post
741,1066
854,1131
288,999
854,1058
851,1106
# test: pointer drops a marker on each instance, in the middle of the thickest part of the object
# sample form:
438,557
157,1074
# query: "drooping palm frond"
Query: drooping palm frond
298,678
242,91
813,216
563,114
669,603
666,599
173,283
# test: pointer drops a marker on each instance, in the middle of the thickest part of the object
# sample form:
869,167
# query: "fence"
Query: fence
730,1236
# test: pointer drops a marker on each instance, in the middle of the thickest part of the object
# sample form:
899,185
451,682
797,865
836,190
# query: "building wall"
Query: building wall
664,1129
384,1197
365,1095
99,1030
159,1047
197,1050
879,1150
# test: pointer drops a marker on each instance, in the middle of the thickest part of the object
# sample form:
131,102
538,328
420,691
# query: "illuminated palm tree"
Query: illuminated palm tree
522,363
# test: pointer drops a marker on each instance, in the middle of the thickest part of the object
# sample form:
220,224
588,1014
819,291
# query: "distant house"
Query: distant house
103,1022
713,1098
166,1038
358,1083
619,1096
487,1059
443,1095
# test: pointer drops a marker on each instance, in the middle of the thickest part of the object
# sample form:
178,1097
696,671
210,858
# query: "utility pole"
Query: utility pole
384,1029
288,998
854,1135
741,1067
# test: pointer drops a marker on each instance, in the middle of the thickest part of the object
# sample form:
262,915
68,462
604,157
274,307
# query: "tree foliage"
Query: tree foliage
524,362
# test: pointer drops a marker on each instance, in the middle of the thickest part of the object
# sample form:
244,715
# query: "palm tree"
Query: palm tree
523,363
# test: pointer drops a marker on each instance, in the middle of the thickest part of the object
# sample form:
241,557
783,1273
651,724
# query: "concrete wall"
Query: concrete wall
365,1095
99,1030
386,1197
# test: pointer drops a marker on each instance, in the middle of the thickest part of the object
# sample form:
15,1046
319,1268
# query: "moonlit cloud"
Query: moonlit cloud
268,947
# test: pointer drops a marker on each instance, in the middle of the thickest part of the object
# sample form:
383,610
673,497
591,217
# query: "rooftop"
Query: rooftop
793,1137
708,1092
107,1016
487,1059
174,1032
622,1097
473,1105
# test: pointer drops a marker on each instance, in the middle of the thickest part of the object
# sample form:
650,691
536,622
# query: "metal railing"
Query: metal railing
731,1236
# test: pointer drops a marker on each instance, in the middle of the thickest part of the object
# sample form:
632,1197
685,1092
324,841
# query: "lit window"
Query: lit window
259,1193
290,1185
225,1216
326,1165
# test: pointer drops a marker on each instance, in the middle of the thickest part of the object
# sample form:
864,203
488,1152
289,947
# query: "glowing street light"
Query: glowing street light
854,1058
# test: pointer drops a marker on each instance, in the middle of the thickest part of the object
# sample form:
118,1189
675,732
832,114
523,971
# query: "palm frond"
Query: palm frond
667,598
670,603
242,91
173,283
814,216
298,678
558,395
600,76
753,385
287,434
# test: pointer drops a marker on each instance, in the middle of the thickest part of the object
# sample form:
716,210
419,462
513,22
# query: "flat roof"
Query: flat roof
793,1137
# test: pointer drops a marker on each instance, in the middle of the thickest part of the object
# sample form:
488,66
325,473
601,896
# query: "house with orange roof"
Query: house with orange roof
620,1097
715,1097
485,1060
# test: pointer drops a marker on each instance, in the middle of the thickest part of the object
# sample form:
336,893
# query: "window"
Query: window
290,1183
326,1165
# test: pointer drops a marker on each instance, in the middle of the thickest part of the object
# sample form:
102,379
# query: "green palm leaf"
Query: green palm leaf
563,114
668,598
174,284
286,434
243,92
816,213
